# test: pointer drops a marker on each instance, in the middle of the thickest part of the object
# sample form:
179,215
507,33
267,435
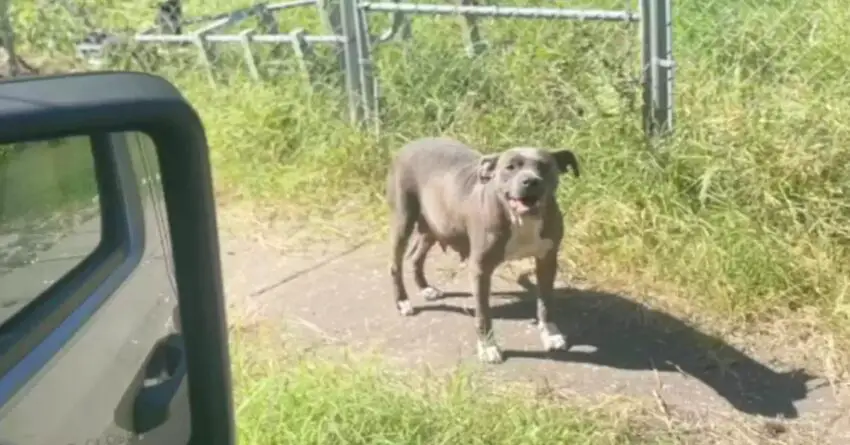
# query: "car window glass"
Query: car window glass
146,165
49,216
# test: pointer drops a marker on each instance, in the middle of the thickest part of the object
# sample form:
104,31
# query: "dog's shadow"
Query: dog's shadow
628,335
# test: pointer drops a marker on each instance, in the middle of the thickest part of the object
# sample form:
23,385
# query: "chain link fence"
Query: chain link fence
787,45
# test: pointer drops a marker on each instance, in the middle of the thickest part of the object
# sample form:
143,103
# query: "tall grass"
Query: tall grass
743,211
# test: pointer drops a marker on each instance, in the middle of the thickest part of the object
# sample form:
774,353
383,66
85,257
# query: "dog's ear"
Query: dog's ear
565,159
487,166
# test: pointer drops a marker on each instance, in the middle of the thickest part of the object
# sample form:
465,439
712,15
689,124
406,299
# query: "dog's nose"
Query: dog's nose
531,181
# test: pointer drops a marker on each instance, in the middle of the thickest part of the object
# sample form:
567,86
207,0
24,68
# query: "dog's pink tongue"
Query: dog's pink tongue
518,205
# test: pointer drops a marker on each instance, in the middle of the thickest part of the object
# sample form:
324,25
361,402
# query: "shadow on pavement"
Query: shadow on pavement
628,335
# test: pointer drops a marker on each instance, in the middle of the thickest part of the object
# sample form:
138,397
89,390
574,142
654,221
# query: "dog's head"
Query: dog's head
525,177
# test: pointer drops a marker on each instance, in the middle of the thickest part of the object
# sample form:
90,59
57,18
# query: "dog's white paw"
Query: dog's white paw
430,293
489,352
553,339
405,308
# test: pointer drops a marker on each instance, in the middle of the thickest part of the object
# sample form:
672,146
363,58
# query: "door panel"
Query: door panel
116,374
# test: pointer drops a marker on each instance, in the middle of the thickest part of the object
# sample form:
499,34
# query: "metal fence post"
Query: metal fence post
368,81
646,57
357,64
658,66
351,59
664,65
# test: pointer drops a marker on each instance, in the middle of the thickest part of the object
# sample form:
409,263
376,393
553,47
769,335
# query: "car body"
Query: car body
94,290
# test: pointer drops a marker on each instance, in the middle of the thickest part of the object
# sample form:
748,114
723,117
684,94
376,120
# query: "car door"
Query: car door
91,347
57,215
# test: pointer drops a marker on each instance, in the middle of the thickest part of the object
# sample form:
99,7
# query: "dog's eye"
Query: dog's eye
511,167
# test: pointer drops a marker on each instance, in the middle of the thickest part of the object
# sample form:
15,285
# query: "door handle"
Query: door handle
147,402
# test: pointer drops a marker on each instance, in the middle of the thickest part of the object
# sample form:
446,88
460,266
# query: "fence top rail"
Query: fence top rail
234,38
504,11
288,5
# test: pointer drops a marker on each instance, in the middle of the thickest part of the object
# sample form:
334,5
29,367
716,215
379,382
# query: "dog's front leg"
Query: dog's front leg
488,349
545,270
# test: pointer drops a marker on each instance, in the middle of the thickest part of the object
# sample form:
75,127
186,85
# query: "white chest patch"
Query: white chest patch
525,240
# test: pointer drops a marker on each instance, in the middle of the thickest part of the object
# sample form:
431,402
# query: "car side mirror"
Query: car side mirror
104,107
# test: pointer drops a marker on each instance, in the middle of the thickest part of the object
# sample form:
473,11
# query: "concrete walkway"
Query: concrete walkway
341,296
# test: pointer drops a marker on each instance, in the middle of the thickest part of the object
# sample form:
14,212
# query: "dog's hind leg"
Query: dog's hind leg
405,211
425,241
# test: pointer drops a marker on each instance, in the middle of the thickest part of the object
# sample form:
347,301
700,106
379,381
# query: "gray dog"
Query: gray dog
487,208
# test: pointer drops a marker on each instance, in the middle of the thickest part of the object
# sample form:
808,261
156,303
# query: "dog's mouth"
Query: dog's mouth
524,204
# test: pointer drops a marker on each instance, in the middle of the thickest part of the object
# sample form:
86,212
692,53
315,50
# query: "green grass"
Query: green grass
301,399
